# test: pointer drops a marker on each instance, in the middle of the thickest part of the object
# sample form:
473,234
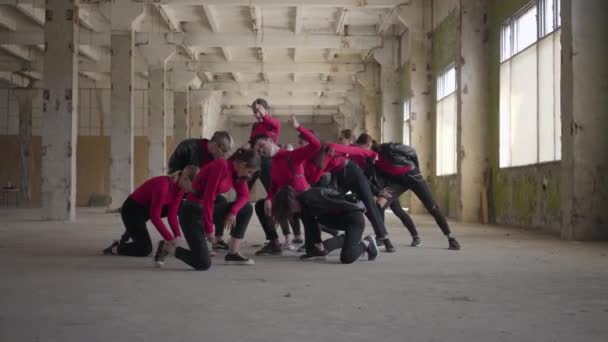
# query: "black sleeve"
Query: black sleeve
186,153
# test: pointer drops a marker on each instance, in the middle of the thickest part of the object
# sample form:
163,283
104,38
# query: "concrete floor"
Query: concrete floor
505,285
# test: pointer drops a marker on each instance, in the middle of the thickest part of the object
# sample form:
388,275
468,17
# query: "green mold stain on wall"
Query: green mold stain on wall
524,198
445,38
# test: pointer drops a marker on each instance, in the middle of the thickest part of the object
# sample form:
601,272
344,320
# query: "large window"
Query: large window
407,139
530,125
446,122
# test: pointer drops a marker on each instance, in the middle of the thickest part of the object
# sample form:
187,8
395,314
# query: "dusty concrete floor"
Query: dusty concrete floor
505,285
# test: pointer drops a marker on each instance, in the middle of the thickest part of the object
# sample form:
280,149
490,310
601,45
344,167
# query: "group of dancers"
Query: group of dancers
328,187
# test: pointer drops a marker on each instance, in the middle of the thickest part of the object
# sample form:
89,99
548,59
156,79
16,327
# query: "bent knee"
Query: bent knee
202,266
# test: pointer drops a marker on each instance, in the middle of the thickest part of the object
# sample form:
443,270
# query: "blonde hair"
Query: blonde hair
223,140
190,171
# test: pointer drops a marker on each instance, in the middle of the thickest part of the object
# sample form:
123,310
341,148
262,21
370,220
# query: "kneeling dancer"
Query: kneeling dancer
197,212
334,210
157,197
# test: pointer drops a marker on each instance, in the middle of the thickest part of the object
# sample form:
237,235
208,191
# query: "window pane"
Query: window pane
526,30
406,122
548,16
505,42
505,114
557,55
446,83
524,132
446,136
558,6
546,100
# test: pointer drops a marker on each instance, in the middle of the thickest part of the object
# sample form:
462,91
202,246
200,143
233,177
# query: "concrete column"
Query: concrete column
369,80
121,130
181,118
195,102
584,125
471,79
156,121
25,98
59,117
390,103
419,49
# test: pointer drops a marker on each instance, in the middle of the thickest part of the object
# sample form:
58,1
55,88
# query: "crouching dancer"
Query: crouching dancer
157,197
197,212
333,209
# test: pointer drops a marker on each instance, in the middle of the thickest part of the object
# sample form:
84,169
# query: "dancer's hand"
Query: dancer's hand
381,201
268,207
293,121
230,222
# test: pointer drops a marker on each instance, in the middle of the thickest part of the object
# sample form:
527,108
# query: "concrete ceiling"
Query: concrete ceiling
297,53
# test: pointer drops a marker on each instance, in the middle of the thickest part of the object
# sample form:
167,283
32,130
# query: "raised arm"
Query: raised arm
305,152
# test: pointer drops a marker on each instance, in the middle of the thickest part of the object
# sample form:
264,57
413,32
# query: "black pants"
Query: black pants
295,225
352,223
191,221
353,179
266,221
221,211
414,181
263,174
134,217
404,217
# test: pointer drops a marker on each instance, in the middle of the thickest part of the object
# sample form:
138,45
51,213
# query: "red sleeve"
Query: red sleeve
156,208
172,215
273,125
210,179
242,196
300,154
312,172
354,151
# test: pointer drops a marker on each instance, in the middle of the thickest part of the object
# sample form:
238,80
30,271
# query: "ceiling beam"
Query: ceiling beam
270,40
302,87
92,19
170,20
341,21
297,23
256,18
29,11
37,38
14,79
7,21
215,39
387,20
292,3
278,100
286,111
280,68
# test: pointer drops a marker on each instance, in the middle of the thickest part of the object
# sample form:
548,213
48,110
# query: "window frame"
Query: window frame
407,121
440,95
508,29
508,52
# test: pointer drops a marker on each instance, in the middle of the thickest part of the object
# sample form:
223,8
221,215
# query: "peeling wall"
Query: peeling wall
10,168
528,196
445,192
445,34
